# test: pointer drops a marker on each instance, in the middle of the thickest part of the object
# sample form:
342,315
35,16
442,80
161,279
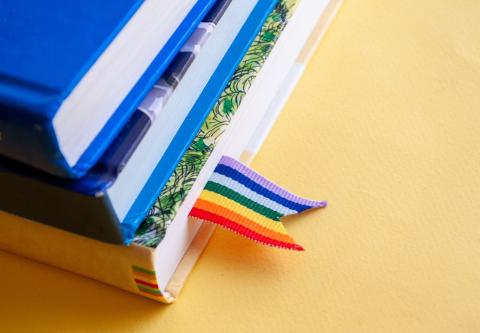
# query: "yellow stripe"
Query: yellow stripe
242,210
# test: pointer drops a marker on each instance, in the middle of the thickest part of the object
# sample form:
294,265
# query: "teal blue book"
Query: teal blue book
73,72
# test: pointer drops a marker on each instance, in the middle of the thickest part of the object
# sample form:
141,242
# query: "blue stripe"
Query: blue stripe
247,182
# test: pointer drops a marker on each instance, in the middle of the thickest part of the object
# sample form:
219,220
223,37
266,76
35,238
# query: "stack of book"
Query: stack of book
113,115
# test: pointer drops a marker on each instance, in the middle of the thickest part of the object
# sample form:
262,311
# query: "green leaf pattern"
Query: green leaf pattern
155,225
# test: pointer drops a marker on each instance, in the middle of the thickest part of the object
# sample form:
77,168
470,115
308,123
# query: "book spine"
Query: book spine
129,268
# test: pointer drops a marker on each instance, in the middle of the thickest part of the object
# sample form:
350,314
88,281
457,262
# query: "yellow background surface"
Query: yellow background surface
385,124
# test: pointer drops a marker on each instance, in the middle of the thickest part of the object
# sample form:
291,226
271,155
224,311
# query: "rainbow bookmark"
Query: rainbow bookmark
239,199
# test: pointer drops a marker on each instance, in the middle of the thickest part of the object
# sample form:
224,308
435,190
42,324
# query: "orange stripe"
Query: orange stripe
231,215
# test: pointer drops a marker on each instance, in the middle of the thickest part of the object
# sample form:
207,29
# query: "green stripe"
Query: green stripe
149,290
243,200
143,270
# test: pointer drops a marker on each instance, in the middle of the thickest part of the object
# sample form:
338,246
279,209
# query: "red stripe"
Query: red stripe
148,284
229,224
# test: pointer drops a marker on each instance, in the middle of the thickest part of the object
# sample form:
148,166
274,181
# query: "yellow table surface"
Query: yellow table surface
385,124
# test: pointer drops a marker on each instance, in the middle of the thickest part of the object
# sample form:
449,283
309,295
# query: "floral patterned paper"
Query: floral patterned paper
161,215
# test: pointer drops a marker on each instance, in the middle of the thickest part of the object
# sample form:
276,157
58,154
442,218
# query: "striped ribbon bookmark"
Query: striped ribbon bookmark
239,199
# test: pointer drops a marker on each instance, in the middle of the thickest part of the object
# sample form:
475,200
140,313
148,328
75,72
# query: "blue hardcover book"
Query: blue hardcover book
119,152
110,202
73,72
